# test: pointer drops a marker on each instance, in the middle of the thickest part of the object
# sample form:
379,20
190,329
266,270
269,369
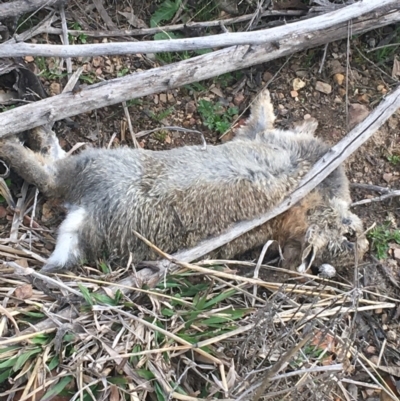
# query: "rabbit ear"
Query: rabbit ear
262,117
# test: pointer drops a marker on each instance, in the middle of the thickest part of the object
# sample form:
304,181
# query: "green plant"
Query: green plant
122,72
81,38
165,12
394,159
226,79
46,72
160,135
162,114
381,236
89,77
214,117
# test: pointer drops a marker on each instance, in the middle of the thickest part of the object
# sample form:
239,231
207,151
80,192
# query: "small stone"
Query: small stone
294,93
163,98
29,59
170,97
155,98
396,253
307,116
342,92
238,99
97,61
190,107
280,96
338,79
301,74
267,76
55,88
391,335
335,67
338,100
380,87
388,177
323,87
298,84
364,98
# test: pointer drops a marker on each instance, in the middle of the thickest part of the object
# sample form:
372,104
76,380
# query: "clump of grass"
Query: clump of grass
381,237
214,116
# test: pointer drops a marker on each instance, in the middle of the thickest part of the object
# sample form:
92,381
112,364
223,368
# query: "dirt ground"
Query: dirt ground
307,84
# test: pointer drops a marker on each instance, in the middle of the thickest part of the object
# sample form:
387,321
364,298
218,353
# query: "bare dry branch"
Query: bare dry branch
274,37
19,7
187,71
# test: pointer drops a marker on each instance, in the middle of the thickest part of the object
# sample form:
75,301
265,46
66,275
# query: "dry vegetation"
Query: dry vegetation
214,330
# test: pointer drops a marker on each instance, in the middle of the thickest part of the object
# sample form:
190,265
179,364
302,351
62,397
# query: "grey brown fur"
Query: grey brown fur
178,197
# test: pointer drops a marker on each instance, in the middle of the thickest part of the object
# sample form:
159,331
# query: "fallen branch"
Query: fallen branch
19,7
274,37
185,72
191,26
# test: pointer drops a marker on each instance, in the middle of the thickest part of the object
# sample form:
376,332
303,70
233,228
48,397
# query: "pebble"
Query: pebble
238,99
380,87
301,74
388,177
190,107
298,84
364,98
391,335
163,98
55,88
267,76
294,93
323,87
338,79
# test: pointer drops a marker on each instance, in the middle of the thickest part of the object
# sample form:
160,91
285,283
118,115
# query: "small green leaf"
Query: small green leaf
60,386
5,375
24,357
220,297
165,12
86,294
53,363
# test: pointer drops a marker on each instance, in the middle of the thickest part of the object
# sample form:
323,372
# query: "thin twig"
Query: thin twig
383,47
393,79
65,38
381,198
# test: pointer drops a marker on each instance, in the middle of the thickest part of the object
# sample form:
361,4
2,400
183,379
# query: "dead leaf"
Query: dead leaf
24,291
392,370
396,68
133,20
114,393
